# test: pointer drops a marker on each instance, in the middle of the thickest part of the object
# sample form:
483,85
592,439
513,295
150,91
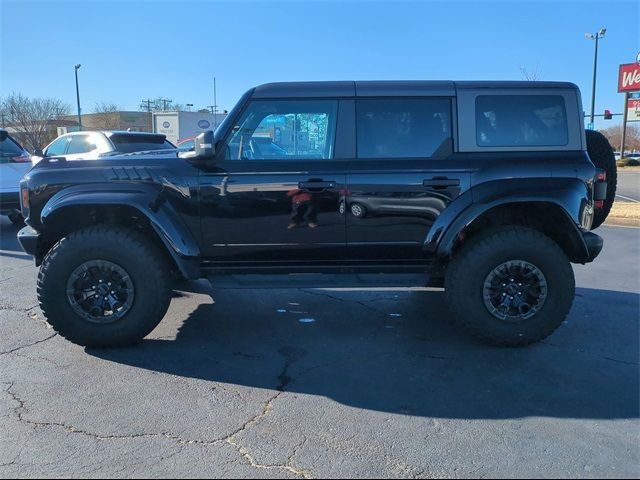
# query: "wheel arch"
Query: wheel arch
558,207
137,209
545,216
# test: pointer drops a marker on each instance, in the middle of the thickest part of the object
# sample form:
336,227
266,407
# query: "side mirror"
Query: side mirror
38,152
3,135
205,145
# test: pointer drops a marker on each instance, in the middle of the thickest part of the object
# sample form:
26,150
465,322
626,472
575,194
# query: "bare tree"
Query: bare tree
107,116
531,75
32,118
614,135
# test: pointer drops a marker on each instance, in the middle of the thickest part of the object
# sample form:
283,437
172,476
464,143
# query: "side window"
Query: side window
284,129
80,144
58,147
521,120
404,128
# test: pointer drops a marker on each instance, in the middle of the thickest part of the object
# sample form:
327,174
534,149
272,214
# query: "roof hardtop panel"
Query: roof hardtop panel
304,89
467,85
405,88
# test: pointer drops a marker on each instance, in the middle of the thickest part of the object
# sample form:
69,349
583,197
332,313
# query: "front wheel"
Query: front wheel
104,287
510,286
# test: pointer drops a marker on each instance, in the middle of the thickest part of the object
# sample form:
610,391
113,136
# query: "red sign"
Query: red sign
629,78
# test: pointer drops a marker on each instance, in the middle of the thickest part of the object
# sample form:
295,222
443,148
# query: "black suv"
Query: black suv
485,188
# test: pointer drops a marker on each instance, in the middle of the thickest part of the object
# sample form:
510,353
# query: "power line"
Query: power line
146,104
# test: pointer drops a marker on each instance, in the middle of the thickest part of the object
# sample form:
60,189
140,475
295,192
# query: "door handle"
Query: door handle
440,183
317,185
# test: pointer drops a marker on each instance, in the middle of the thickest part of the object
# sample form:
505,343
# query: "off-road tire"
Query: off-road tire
601,154
467,271
128,249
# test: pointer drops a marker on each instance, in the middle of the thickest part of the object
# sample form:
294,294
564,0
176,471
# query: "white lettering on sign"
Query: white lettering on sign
631,78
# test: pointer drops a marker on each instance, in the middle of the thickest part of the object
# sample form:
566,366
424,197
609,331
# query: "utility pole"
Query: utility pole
2,114
78,98
146,104
211,107
164,103
595,36
215,106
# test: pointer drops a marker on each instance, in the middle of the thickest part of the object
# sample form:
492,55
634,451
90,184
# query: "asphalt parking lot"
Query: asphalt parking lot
628,186
372,384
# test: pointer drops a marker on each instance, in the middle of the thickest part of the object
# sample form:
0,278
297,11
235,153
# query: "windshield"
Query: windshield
140,143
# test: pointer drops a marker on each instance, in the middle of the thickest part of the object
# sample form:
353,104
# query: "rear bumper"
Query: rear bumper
28,238
594,245
9,201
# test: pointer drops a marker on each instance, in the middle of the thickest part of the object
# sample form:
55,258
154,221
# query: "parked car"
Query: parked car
92,145
15,161
457,173
404,204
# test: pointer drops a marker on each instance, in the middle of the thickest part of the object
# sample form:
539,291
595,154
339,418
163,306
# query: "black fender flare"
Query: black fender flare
569,194
149,202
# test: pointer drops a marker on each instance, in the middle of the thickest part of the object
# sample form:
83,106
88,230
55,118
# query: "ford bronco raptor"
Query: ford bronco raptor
488,189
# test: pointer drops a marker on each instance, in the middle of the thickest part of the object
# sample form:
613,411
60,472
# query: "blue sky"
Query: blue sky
134,50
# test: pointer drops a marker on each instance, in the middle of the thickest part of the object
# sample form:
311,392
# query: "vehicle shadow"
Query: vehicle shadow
8,238
358,354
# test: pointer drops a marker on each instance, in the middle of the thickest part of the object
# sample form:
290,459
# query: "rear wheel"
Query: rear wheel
602,156
104,287
510,286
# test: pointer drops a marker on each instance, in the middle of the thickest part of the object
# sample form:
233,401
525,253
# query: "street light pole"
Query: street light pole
597,36
78,98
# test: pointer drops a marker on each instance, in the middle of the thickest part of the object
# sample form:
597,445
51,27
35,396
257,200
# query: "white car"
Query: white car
15,161
99,144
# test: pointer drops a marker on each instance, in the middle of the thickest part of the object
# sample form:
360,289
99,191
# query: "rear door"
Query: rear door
405,175
273,193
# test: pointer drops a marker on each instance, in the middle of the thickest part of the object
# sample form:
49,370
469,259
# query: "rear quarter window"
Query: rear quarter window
521,121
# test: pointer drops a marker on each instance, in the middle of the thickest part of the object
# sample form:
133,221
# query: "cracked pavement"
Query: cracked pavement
380,385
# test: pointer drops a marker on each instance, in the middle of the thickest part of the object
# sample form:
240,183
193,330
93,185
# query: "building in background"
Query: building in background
120,120
180,125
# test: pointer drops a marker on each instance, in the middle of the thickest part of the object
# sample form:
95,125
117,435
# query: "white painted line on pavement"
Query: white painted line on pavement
627,198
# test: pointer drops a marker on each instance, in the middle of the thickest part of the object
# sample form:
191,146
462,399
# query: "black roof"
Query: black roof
389,88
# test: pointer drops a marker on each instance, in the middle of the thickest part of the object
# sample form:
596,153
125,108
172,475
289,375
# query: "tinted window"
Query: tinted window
9,148
521,120
404,128
140,143
80,144
284,129
57,147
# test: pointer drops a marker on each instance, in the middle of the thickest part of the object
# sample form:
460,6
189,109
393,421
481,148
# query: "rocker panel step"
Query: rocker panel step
319,280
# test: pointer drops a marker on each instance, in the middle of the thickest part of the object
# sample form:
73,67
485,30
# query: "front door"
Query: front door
273,194
405,176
